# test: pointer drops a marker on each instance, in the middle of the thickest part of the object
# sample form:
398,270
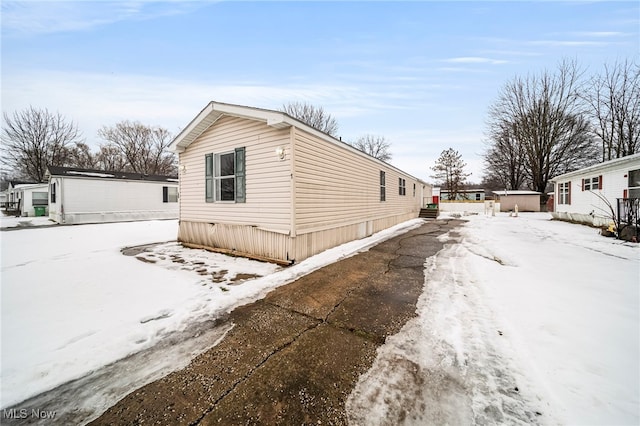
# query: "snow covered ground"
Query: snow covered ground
72,303
523,320
23,222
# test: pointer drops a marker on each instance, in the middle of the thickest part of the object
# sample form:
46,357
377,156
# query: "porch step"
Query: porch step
429,213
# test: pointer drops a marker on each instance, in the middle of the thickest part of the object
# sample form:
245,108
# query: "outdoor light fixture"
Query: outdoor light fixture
280,152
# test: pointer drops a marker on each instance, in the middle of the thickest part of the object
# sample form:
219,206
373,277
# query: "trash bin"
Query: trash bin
39,210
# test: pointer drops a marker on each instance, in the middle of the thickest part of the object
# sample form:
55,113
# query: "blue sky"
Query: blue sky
422,74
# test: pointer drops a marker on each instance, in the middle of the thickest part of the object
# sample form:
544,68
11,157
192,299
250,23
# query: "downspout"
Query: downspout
62,215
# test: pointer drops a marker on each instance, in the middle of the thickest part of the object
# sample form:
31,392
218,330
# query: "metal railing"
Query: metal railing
628,214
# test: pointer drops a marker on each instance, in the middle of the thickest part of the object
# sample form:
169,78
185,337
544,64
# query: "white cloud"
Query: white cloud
28,18
568,43
600,34
475,60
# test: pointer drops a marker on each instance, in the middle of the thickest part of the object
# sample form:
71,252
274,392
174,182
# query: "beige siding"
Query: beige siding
526,203
268,179
337,187
311,243
331,194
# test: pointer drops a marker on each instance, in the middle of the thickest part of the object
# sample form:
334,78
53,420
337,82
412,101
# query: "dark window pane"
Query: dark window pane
227,189
227,165
634,178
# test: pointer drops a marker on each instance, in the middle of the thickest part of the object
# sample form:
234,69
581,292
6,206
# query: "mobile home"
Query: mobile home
260,183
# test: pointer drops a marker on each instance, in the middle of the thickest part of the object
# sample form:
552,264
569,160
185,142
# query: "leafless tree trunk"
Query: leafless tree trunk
374,145
134,147
548,123
504,157
614,107
314,116
33,139
449,172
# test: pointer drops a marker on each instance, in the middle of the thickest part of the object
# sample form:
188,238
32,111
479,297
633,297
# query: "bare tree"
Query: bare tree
504,158
449,172
374,145
314,116
80,155
142,149
614,107
547,121
33,139
110,158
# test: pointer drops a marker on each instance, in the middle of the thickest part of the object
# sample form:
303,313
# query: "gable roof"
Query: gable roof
103,174
14,183
616,162
276,119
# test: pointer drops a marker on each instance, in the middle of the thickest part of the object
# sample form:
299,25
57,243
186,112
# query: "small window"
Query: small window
383,192
564,193
592,184
414,189
225,176
634,184
169,194
402,186
53,192
39,198
478,197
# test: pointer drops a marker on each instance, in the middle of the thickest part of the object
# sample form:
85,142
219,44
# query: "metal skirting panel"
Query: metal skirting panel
260,243
240,238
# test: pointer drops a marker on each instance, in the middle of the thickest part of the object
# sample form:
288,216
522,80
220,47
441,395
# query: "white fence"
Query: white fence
469,206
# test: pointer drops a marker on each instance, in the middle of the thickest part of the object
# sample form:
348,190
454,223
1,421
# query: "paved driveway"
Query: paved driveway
294,356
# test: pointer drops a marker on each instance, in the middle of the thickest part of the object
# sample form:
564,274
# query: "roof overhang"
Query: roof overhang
604,166
214,110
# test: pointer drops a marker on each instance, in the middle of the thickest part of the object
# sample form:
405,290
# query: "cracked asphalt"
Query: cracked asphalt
295,356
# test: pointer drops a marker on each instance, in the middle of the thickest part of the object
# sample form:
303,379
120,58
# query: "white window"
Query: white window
564,193
169,194
225,176
634,184
592,184
402,186
39,198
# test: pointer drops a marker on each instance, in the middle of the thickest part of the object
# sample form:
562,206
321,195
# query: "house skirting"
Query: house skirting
105,217
587,219
252,241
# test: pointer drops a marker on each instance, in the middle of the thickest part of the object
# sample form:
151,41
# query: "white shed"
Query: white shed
527,201
586,195
93,196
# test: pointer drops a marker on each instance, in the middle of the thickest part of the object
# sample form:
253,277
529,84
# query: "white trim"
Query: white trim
606,165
